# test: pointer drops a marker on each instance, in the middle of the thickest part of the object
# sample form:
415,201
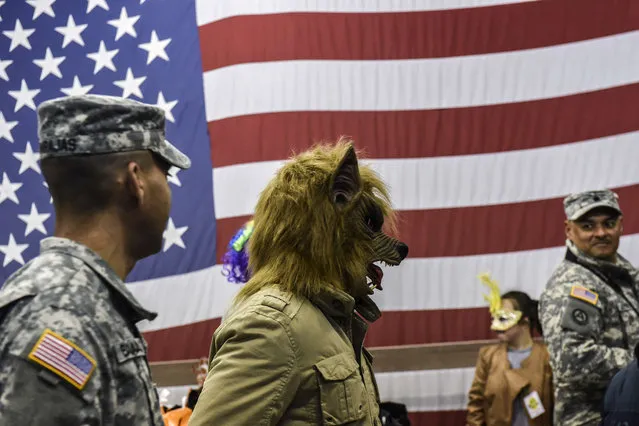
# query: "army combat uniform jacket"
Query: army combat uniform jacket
590,318
70,353
278,359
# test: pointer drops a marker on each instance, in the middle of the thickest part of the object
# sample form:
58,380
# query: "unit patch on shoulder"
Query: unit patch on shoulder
582,293
64,358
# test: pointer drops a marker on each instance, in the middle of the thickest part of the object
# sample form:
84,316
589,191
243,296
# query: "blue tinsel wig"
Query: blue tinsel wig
235,260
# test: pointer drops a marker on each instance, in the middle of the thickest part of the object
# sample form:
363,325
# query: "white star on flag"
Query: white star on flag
173,235
124,24
155,48
49,64
166,106
130,85
6,127
103,58
94,3
28,159
40,7
72,32
173,177
19,36
8,189
2,2
24,96
12,251
77,89
34,220
3,69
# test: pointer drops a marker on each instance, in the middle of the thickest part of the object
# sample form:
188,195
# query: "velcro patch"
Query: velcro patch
63,358
582,293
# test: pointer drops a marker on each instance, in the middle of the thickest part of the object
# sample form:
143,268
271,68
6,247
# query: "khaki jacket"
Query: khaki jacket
496,385
282,360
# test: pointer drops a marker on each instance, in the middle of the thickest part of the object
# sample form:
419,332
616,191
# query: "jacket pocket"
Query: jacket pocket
342,393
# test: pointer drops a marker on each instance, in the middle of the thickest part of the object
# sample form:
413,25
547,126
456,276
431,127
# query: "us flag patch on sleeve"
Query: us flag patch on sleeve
63,358
582,293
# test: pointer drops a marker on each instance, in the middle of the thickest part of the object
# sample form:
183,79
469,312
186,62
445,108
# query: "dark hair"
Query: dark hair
528,307
85,185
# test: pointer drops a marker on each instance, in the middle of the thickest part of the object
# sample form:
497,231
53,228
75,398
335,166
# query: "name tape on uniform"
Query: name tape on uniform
63,358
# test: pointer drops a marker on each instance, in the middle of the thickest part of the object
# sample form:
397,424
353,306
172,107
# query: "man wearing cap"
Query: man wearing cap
589,310
70,352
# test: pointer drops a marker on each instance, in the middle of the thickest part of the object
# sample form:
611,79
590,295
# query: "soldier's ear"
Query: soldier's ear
568,228
133,183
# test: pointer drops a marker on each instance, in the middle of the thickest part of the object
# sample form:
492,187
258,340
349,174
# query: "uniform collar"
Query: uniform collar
339,304
621,262
97,264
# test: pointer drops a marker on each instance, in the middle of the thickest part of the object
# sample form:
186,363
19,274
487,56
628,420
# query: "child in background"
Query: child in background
513,379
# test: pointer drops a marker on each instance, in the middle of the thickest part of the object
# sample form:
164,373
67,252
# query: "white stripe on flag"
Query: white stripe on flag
427,390
462,181
430,390
417,84
211,11
416,285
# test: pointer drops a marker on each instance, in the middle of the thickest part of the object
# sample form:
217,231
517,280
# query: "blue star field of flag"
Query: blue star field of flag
147,50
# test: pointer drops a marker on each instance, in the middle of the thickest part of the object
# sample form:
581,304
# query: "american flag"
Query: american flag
480,114
60,356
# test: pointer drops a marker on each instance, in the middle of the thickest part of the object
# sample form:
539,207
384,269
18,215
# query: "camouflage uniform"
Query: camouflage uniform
589,327
70,352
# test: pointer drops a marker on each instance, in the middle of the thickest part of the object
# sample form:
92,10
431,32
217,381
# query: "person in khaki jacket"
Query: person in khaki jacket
290,349
513,379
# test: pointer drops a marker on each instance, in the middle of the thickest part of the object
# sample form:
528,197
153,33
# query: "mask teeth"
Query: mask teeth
371,285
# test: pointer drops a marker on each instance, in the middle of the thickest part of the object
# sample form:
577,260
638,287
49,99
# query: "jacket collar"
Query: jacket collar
339,304
97,264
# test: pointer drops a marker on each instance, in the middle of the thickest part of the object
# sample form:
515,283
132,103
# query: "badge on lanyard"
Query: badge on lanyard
533,405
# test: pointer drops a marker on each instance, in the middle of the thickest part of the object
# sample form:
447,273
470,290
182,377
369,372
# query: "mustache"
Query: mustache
602,240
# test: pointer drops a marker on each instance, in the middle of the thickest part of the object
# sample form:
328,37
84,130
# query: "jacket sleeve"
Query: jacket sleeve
475,410
572,330
253,374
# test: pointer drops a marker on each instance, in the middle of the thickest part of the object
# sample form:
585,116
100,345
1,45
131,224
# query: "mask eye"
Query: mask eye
374,218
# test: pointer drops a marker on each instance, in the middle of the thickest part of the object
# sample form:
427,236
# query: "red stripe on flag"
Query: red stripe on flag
410,35
430,133
392,329
396,328
476,230
184,342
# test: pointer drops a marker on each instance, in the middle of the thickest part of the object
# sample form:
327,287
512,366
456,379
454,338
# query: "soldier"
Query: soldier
589,309
70,352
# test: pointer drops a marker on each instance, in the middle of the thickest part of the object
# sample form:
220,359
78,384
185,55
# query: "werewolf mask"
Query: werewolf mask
319,223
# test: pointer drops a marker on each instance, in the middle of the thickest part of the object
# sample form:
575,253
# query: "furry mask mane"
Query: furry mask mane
319,223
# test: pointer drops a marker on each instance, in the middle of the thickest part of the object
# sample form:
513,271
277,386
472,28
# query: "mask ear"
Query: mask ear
345,183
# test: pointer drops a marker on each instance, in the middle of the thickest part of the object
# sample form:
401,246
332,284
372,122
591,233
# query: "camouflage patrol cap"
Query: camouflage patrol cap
98,124
576,205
